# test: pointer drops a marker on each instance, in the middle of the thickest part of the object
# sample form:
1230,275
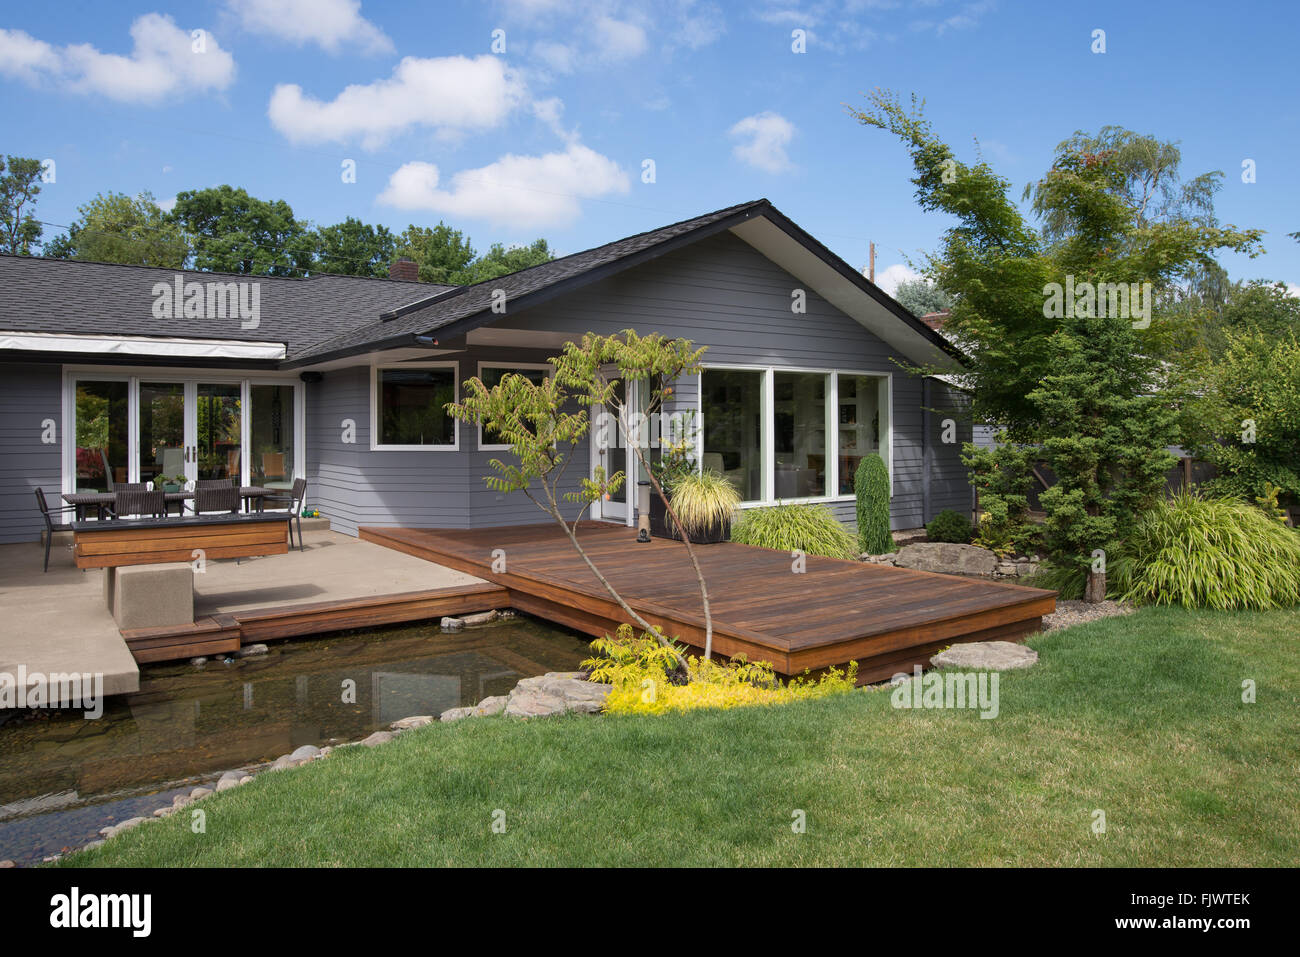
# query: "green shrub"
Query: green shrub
871,484
949,526
810,528
702,500
1210,553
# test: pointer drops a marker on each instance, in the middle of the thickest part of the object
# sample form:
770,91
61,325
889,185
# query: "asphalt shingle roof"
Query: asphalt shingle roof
68,296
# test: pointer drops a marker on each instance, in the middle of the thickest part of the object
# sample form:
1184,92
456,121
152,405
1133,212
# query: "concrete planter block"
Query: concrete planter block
151,596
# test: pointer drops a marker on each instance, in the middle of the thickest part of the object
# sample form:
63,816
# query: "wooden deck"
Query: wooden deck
885,618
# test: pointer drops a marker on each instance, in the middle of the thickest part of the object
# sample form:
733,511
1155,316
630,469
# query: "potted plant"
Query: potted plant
175,484
704,503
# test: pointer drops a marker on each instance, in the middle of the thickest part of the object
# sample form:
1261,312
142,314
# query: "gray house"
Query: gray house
123,373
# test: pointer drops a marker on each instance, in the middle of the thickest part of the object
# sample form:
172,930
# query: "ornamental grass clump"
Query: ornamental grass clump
811,529
644,681
1210,553
703,500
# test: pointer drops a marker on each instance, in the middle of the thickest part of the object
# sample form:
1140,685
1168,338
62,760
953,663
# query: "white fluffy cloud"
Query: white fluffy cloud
330,24
165,61
525,192
618,40
763,139
448,94
889,278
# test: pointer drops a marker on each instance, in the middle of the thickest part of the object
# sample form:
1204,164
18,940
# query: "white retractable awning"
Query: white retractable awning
141,346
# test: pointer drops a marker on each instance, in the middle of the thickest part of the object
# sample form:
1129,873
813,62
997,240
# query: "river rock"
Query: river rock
126,825
556,693
414,721
307,752
481,618
492,705
252,651
948,558
455,714
379,737
167,811
229,780
198,662
986,655
7,864
451,625
198,794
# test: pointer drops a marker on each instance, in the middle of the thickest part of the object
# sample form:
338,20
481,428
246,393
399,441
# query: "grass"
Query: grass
811,528
1139,716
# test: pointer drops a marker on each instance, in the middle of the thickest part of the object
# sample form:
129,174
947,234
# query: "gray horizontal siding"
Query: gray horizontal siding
29,394
720,293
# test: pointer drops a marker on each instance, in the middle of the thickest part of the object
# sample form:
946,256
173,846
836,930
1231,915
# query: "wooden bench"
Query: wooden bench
156,541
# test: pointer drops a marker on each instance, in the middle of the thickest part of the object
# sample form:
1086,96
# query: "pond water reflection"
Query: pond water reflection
188,724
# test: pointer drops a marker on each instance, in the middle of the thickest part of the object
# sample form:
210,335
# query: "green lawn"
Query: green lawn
1140,717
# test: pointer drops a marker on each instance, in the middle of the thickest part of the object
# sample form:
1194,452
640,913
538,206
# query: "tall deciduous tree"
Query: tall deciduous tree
235,232
354,248
921,297
20,184
116,228
441,252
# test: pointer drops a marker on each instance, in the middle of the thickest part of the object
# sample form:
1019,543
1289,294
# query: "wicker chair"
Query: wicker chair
213,483
218,498
294,500
149,504
52,526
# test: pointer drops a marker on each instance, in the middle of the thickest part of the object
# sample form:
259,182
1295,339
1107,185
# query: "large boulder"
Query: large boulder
555,693
947,558
985,656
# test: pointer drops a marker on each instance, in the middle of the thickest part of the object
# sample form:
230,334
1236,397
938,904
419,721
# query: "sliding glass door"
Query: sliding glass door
172,430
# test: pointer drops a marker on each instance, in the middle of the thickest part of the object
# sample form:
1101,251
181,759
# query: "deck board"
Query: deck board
884,617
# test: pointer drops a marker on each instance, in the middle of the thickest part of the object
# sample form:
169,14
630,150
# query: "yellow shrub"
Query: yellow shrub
636,667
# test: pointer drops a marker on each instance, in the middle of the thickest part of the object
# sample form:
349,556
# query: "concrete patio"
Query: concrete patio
57,622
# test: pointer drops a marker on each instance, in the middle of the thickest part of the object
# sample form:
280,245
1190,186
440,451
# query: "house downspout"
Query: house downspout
926,452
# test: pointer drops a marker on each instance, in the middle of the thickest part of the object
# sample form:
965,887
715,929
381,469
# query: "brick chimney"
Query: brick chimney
404,268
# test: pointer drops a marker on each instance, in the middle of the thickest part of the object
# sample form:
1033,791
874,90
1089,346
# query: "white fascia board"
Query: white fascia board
141,346
806,266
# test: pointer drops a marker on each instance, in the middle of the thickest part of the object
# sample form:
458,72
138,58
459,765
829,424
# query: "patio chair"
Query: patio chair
52,526
140,502
217,498
213,483
130,487
294,500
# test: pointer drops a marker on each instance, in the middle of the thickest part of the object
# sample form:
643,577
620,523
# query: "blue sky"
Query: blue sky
548,138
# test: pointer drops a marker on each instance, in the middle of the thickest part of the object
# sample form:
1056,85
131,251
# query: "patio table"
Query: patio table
253,495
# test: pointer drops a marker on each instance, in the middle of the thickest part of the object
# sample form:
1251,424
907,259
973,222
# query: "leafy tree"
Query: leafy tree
921,297
871,485
116,228
1245,419
442,253
235,232
19,187
1079,385
500,260
354,248
544,424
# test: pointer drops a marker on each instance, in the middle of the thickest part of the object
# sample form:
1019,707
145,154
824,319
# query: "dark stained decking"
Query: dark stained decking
885,618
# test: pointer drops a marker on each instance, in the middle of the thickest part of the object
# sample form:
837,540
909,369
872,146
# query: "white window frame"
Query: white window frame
191,377
374,406
832,451
512,367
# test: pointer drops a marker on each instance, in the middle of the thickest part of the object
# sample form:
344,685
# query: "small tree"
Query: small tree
871,486
19,187
544,435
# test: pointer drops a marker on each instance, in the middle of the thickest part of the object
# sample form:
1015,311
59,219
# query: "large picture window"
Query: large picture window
410,407
783,435
732,401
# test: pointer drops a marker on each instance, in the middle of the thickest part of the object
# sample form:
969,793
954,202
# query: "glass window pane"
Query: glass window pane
412,407
491,376
271,436
162,431
101,430
732,406
220,419
799,423
859,424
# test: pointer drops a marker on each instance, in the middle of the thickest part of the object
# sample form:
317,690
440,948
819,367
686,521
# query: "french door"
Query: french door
612,450
168,429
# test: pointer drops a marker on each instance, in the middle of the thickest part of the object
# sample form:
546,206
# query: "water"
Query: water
62,777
